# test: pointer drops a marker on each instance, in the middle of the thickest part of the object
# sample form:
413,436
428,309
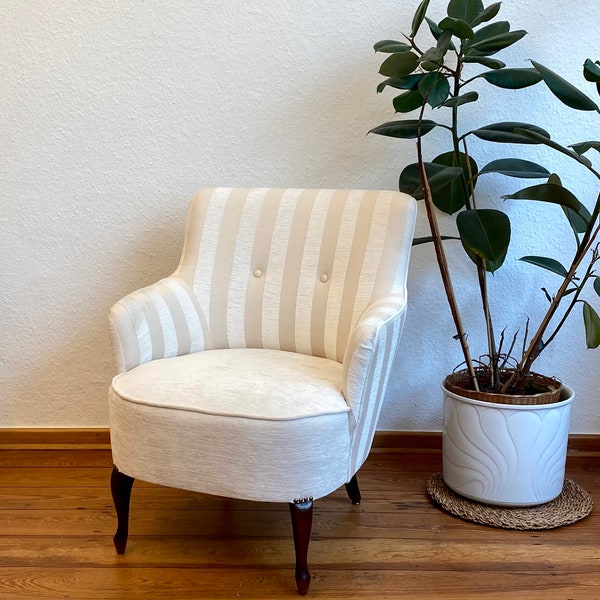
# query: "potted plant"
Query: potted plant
505,426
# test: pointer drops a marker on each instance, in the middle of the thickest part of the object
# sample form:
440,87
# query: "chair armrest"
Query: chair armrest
367,365
158,321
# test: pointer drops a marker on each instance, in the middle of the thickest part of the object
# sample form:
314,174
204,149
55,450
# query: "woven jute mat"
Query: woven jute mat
573,504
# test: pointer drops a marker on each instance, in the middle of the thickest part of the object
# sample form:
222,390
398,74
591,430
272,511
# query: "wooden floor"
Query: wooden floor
57,521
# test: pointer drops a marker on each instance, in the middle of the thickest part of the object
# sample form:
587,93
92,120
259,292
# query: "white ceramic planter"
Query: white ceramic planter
503,454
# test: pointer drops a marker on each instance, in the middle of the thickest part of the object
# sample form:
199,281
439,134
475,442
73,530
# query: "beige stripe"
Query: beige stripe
182,330
223,262
124,336
191,248
392,272
355,261
259,269
292,270
154,326
326,257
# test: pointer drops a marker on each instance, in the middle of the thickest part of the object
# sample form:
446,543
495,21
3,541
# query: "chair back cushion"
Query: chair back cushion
293,269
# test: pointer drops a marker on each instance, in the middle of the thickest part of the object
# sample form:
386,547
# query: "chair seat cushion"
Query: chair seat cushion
246,382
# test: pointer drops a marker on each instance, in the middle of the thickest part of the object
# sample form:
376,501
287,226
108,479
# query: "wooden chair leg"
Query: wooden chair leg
302,513
120,487
353,490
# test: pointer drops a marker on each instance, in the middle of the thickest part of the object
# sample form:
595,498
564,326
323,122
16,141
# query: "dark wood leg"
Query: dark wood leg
353,490
120,486
302,513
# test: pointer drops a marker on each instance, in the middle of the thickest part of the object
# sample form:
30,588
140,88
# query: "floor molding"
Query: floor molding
99,438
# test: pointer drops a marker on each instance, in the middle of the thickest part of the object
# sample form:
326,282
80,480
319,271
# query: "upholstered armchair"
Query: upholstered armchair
258,369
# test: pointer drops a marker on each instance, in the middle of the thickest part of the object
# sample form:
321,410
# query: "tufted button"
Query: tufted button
324,278
257,273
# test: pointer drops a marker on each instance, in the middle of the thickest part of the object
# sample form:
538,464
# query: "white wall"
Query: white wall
113,112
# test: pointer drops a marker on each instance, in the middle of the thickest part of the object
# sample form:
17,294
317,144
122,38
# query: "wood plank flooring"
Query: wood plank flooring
57,522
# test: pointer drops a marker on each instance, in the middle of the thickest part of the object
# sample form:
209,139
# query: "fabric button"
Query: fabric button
257,273
324,278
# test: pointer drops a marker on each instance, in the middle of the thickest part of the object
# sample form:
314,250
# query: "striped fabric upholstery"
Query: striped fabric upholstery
315,272
293,269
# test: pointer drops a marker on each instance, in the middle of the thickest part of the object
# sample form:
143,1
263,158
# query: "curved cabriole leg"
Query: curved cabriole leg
120,487
353,490
302,513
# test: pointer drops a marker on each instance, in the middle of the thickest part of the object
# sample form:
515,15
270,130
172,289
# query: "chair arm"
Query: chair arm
367,365
158,321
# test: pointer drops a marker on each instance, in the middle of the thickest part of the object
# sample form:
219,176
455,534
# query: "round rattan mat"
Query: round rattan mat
573,504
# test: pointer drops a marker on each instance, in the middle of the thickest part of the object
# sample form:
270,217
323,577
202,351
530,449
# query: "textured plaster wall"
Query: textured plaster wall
113,112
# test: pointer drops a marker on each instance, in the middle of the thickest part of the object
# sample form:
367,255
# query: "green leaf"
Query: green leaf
505,132
460,100
498,42
419,16
485,234
597,285
466,10
452,196
516,167
491,30
512,79
591,321
434,87
487,14
578,220
458,27
432,59
438,177
409,101
391,46
551,193
591,71
546,263
537,138
410,82
399,65
408,130
566,92
583,147
490,63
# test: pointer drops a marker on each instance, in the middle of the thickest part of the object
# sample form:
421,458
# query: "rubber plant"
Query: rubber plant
440,79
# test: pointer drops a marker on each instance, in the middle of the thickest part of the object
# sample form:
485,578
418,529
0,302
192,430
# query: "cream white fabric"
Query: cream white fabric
304,288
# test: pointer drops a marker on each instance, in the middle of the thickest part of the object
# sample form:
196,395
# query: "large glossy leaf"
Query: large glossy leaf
409,101
457,27
453,195
490,63
466,10
566,92
546,263
591,321
407,130
410,82
506,132
399,65
512,79
419,16
591,70
432,59
487,14
391,46
551,193
438,176
435,88
583,147
516,167
485,234
578,220
491,30
460,100
498,42
597,285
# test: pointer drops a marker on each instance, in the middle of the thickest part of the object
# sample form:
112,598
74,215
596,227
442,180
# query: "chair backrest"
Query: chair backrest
293,269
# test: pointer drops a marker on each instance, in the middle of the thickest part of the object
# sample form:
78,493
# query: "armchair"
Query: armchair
258,369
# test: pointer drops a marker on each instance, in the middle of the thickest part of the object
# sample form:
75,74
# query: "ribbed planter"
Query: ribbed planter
509,455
